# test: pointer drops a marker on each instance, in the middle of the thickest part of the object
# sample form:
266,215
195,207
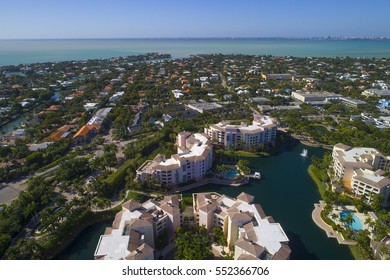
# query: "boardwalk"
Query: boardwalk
316,215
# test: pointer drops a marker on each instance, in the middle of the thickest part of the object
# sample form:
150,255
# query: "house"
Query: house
254,235
40,146
90,106
117,96
85,134
60,133
177,93
376,92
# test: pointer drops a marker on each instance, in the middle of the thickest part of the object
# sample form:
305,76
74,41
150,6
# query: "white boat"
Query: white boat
304,153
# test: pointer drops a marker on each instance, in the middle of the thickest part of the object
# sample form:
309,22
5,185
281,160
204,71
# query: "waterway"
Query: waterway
286,192
83,247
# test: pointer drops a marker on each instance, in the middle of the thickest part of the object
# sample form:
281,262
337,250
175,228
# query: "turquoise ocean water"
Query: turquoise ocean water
14,52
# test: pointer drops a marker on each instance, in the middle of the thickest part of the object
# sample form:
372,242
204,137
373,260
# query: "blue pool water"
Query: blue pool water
231,174
356,224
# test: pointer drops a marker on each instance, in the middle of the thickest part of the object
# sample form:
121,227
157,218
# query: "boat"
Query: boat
304,153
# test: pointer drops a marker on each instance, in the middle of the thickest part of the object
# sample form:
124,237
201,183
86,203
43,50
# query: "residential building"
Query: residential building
40,146
376,92
254,235
193,160
135,229
262,131
326,97
277,77
85,134
117,96
367,183
203,107
347,159
353,103
177,93
99,116
313,96
60,133
90,106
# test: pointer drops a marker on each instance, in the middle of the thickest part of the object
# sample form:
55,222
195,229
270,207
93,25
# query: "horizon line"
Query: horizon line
341,37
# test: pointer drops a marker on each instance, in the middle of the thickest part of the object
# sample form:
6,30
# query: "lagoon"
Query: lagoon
286,192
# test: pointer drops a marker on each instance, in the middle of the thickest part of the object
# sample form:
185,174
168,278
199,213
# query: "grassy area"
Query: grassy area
245,154
314,174
356,252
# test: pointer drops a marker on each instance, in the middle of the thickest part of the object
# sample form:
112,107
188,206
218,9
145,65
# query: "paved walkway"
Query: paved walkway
212,181
316,215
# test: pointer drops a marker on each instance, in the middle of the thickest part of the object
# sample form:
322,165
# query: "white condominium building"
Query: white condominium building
193,160
254,235
262,131
347,159
367,183
136,228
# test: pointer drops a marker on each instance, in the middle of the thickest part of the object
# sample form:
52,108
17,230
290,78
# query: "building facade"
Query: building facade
254,235
135,229
368,183
358,163
262,131
193,160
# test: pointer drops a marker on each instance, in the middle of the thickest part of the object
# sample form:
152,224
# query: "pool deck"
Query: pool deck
316,216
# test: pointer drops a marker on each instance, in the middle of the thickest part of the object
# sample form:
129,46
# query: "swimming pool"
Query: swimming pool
231,173
356,223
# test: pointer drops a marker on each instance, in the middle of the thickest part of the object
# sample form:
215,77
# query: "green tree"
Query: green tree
193,244
219,236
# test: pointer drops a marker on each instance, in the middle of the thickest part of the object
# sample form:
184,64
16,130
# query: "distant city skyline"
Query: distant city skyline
45,19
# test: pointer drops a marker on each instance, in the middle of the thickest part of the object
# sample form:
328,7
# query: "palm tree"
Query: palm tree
348,220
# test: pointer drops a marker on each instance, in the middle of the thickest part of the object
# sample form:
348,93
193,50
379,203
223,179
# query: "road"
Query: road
11,190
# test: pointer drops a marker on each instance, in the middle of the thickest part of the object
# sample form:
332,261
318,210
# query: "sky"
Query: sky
52,19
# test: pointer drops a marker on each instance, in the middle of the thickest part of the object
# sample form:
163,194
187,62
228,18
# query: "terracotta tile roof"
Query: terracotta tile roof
245,197
246,257
283,253
85,130
131,204
250,247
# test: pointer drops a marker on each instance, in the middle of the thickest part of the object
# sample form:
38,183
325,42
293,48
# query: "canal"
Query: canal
286,192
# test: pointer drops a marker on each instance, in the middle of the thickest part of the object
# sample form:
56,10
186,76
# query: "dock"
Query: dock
255,175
